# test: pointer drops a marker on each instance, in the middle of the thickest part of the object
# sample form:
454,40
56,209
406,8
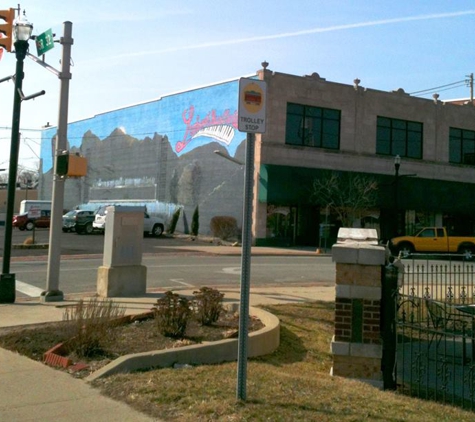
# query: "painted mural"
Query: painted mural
189,119
162,150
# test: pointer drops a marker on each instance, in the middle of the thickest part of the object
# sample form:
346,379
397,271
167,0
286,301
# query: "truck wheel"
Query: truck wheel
157,230
405,250
21,228
88,229
467,252
29,225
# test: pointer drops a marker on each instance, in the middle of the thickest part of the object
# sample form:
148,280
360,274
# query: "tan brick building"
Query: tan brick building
314,126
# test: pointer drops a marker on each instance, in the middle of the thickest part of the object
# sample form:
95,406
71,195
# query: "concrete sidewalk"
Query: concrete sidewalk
32,391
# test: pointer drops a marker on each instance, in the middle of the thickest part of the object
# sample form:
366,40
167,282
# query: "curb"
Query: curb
261,342
33,246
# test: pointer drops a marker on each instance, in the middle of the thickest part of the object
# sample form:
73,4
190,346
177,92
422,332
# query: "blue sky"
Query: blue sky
126,52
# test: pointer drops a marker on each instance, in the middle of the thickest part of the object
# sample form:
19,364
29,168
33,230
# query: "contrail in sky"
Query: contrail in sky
297,33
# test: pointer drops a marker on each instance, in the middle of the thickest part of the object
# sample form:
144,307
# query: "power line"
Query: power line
440,90
459,83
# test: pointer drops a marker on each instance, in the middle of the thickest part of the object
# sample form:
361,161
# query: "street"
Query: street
167,267
73,244
175,271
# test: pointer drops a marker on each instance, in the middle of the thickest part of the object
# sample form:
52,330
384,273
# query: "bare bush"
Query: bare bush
224,227
208,305
172,314
91,324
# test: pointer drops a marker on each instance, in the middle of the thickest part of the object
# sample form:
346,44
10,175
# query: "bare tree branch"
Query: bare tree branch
346,194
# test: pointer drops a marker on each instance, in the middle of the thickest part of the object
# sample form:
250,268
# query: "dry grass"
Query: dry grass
292,384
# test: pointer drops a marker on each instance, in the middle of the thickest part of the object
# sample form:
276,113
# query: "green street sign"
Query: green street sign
44,42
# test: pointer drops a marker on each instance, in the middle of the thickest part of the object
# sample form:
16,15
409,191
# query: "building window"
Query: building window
312,126
399,137
461,146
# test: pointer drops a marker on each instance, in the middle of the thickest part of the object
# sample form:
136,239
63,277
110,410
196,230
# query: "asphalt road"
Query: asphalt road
167,268
175,271
75,244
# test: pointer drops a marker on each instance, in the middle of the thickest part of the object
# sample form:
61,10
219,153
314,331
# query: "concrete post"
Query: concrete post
357,345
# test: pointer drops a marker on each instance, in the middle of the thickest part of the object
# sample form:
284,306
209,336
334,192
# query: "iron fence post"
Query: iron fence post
389,287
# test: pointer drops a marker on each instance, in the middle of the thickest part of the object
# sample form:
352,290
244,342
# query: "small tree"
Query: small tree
174,221
345,194
195,222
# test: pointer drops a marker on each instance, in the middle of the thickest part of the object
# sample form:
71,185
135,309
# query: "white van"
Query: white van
151,225
35,204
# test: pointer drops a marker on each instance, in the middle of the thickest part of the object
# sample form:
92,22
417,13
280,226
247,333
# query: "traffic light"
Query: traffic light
71,165
7,28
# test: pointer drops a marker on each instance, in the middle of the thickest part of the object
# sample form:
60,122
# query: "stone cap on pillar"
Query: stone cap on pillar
358,246
357,235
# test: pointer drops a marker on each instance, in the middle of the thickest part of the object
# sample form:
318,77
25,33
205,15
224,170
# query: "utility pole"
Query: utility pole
471,88
52,292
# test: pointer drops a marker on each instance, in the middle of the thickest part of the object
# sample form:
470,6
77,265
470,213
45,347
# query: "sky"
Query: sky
128,52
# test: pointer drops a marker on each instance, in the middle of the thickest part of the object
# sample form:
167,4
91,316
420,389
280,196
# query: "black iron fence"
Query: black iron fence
436,330
446,278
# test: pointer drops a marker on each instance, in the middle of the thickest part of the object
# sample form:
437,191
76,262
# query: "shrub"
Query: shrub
195,222
174,221
223,227
208,305
172,314
91,325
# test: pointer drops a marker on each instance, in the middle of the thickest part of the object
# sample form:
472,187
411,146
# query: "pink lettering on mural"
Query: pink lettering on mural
211,119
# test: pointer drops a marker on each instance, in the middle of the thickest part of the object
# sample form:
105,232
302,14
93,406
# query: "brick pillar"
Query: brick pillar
356,345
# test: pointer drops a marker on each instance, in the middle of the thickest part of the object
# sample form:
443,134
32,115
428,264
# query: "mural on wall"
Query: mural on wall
162,150
219,127
189,119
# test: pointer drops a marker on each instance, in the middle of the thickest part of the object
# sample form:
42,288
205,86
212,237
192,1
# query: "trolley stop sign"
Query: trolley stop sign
252,106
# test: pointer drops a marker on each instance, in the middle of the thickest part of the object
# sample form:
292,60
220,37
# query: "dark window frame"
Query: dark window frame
313,126
399,137
461,146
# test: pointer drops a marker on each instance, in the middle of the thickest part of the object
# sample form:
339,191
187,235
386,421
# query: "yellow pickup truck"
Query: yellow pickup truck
436,240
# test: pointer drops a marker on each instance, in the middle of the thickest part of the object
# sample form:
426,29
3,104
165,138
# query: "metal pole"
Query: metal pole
7,280
245,267
396,195
52,292
471,88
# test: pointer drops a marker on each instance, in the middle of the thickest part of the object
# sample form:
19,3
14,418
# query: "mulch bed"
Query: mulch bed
138,336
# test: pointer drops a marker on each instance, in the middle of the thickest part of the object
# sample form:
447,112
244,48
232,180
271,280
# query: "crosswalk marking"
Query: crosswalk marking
28,289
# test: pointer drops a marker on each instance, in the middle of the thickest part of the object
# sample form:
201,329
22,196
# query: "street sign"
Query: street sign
44,42
252,106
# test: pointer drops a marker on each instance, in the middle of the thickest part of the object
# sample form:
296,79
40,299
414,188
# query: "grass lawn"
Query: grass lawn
292,384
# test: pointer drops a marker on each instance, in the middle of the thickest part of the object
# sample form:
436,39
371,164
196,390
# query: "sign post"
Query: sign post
251,119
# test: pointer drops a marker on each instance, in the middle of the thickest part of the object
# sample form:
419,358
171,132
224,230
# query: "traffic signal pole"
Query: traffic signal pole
52,292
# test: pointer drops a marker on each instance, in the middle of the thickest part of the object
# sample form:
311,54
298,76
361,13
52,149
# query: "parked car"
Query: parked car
434,239
151,225
79,221
23,222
